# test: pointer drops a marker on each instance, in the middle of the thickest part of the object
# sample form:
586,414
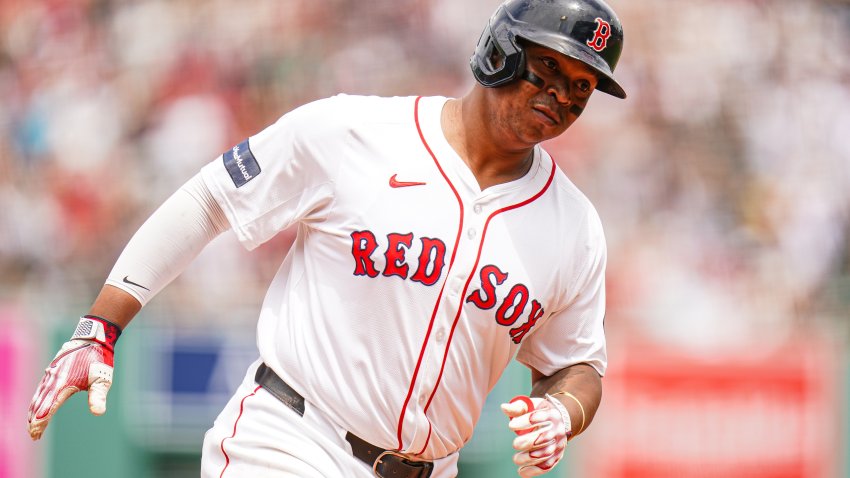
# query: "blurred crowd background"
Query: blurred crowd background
723,183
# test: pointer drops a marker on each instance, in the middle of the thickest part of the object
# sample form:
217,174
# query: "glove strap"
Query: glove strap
565,415
98,329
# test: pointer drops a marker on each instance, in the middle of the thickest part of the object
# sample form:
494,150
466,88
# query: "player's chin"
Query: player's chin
545,128
541,133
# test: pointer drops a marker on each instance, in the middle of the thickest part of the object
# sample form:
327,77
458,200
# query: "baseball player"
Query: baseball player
436,241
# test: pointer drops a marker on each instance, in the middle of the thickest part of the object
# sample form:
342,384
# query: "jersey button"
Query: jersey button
471,233
422,399
441,336
477,209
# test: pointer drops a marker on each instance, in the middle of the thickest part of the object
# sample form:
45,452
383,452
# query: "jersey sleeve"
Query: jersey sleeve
279,176
574,334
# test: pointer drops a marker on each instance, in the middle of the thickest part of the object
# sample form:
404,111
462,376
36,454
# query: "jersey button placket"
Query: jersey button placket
427,386
467,251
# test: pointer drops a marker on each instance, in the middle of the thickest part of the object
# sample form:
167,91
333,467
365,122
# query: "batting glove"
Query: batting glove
83,363
543,427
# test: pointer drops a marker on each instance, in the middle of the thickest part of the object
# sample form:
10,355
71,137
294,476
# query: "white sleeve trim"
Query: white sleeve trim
168,241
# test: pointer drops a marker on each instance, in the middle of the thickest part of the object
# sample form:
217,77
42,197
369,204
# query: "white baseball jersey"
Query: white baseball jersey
408,289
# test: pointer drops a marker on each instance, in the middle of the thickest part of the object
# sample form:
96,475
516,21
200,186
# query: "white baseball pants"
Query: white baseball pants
257,436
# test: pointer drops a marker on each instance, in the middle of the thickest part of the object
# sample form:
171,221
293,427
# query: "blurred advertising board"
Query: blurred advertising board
18,378
184,377
667,413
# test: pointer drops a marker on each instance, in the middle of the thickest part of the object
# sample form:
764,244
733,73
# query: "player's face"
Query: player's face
532,113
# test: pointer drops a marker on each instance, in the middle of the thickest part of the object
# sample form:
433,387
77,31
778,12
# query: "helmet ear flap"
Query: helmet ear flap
497,59
494,58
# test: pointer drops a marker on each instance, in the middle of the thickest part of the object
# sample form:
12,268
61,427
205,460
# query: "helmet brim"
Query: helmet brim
573,49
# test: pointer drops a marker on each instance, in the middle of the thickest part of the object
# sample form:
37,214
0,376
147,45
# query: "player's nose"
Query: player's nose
560,91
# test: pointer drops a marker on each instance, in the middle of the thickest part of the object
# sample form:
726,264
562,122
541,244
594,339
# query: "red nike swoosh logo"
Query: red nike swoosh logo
395,183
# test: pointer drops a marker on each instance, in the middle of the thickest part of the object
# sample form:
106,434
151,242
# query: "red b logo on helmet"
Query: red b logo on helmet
600,36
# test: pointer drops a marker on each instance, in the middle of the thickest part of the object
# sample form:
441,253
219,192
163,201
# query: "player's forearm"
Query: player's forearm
578,388
115,305
161,250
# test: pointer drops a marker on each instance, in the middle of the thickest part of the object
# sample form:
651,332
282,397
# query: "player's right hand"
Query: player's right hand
542,434
82,363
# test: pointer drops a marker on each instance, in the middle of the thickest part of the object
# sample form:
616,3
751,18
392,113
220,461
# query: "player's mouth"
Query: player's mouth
547,115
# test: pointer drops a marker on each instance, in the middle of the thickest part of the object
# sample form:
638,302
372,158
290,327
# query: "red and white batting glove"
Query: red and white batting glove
83,363
543,427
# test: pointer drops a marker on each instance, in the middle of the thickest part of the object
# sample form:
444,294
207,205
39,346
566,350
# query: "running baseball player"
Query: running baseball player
436,241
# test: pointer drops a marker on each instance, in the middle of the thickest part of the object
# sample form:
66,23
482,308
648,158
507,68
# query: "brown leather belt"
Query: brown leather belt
384,463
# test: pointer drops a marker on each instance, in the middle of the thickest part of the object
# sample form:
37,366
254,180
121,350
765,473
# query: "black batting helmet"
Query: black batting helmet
587,30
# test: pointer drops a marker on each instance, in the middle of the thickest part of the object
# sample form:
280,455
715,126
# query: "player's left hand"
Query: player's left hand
83,363
542,432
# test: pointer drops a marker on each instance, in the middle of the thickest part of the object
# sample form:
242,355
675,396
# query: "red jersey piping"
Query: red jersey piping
221,445
442,288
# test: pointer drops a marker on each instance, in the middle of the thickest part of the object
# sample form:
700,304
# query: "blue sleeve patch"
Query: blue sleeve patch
241,164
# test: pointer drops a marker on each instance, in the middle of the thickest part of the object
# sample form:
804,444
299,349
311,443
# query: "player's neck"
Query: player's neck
466,131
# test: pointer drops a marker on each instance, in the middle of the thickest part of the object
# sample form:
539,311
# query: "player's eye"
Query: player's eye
549,63
583,88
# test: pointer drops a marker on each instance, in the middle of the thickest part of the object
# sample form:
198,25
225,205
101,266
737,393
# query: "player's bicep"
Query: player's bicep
273,179
569,337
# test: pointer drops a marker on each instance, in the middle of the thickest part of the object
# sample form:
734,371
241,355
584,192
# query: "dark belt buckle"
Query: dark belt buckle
412,469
